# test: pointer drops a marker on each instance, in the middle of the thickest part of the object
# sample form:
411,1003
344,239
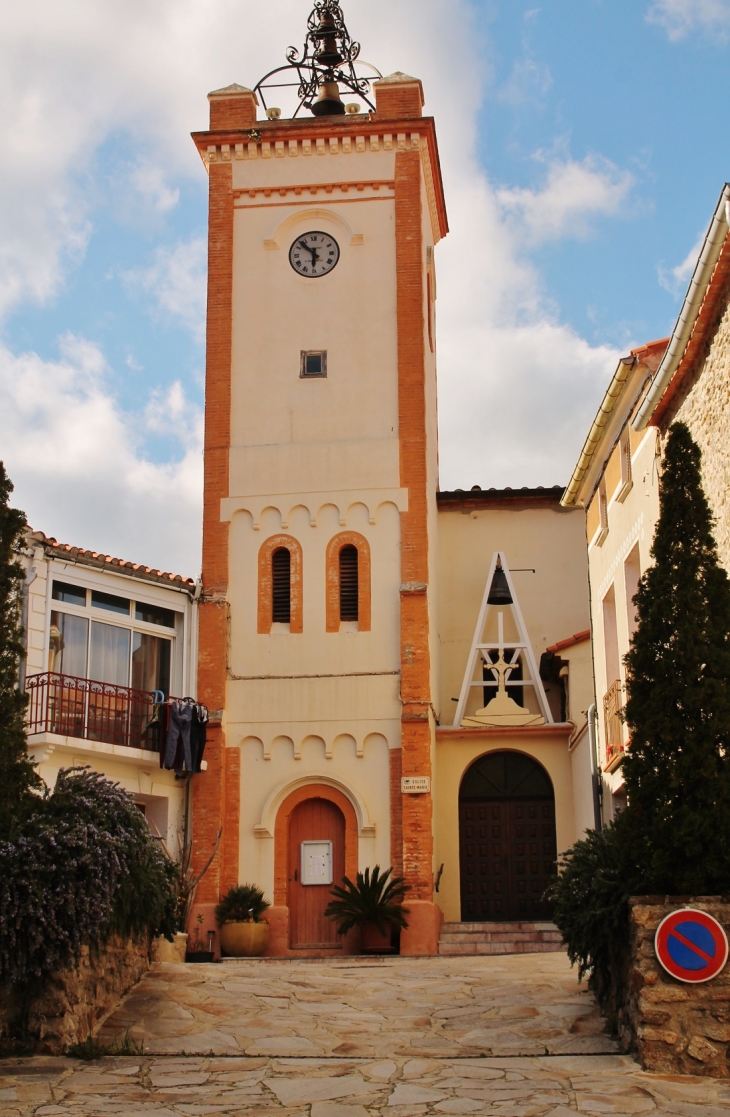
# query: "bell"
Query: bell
499,591
327,53
329,102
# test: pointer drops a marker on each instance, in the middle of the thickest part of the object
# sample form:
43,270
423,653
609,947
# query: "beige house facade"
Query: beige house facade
616,481
106,642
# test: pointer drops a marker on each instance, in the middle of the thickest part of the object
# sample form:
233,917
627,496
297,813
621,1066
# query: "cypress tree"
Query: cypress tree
17,775
677,769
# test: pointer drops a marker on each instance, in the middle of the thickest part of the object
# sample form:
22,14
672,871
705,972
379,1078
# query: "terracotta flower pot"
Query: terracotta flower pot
244,940
374,942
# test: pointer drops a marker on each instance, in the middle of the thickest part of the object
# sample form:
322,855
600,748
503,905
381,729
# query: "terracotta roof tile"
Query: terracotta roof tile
101,561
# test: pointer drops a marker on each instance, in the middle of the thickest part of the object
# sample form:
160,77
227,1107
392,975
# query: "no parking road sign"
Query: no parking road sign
691,945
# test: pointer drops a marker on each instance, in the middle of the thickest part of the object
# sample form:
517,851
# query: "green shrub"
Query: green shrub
80,867
243,903
373,898
590,899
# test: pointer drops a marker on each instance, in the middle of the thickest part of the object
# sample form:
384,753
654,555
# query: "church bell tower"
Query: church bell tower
317,651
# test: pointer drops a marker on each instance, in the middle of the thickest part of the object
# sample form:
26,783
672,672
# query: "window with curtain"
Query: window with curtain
89,647
349,588
109,654
68,644
150,662
281,586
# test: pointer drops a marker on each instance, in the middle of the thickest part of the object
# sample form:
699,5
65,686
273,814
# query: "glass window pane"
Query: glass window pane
67,646
151,663
110,602
109,661
153,614
72,595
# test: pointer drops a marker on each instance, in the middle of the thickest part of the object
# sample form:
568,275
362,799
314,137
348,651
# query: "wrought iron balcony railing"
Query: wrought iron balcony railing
612,706
92,711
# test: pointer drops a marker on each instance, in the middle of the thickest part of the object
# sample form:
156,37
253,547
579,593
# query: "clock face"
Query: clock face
314,254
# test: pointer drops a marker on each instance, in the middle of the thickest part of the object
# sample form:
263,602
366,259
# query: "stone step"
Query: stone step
505,936
500,938
531,925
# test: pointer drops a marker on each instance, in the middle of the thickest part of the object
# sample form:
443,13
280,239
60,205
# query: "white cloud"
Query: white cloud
675,280
176,282
529,82
149,182
573,193
78,464
517,387
680,17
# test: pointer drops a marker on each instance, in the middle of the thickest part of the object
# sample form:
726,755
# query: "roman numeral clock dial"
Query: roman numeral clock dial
314,254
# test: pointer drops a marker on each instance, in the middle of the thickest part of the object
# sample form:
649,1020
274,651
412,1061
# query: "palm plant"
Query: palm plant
373,898
243,903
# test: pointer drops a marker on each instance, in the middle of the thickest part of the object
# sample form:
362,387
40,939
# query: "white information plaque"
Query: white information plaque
415,785
316,866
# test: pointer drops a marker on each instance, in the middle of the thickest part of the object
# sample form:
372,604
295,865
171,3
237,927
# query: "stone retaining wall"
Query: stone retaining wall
75,1000
672,1027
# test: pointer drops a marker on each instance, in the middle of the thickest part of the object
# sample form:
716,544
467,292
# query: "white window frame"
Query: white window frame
131,593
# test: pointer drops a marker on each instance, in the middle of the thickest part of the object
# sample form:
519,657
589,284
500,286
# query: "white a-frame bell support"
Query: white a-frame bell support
510,651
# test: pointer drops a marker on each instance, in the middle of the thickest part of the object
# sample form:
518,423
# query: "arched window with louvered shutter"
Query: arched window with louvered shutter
348,581
280,584
349,605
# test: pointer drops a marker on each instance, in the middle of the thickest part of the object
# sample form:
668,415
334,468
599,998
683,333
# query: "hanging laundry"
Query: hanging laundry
184,742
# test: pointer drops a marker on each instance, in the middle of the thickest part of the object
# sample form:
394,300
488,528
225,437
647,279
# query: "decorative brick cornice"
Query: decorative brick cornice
293,139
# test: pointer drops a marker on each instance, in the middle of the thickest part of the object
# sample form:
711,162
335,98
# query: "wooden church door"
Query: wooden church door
320,822
507,839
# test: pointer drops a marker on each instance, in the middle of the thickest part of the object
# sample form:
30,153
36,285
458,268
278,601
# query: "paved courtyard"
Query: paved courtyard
514,1036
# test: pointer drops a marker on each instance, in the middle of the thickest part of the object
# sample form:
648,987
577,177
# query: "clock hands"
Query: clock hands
313,251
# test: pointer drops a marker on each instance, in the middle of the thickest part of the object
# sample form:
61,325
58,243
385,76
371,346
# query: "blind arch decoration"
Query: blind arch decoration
271,587
348,574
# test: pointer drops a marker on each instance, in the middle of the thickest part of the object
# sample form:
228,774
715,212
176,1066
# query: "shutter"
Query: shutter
281,591
348,584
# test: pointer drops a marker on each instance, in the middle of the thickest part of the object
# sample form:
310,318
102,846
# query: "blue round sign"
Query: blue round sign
691,945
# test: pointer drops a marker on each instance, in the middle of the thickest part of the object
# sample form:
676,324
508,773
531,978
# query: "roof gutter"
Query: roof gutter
608,403
693,300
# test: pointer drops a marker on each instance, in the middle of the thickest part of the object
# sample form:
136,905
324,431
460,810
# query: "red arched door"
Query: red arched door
316,821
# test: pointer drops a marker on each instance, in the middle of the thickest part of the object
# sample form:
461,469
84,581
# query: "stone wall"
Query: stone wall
75,1000
705,409
673,1028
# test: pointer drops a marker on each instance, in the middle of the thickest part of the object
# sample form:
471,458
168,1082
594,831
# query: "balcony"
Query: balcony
613,704
67,706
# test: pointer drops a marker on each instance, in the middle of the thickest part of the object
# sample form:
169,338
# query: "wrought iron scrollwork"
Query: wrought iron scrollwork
330,57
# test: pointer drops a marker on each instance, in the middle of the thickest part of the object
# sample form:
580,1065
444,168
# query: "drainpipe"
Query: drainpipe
595,772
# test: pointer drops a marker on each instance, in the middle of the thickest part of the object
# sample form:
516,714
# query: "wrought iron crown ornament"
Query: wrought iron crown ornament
330,59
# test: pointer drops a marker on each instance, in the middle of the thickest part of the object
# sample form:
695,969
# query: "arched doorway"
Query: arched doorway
315,860
507,843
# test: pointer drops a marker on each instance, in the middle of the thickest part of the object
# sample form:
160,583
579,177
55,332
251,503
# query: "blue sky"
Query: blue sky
583,149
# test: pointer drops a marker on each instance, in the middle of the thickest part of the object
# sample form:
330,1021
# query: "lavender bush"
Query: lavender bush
81,866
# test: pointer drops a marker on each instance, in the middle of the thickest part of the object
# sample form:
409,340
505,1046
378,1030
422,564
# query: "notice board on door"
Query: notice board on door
316,862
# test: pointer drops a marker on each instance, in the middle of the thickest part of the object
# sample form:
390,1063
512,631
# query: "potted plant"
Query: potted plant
374,904
197,951
243,933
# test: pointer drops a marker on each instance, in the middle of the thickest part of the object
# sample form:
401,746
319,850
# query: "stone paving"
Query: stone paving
508,1036
451,1007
